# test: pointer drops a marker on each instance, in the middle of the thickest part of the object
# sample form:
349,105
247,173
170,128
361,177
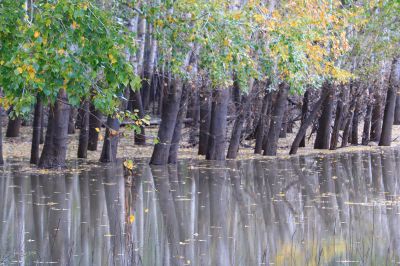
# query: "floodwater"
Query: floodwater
338,209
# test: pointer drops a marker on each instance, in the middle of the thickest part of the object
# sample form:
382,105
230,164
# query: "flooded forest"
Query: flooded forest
199,132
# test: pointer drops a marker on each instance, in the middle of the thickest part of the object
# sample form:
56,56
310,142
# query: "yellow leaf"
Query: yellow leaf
112,59
36,34
128,164
97,129
20,70
74,25
131,218
101,137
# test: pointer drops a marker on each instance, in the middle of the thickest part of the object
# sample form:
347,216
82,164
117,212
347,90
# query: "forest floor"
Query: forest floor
19,148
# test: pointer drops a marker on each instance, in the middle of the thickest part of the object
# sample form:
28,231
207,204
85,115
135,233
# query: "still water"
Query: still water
338,209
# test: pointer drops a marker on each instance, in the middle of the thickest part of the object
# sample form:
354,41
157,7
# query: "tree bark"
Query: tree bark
1,136
354,124
243,111
84,132
37,125
388,117
322,139
278,111
397,111
205,119
304,111
13,128
376,120
216,141
262,122
55,147
94,128
173,150
307,122
338,122
169,115
71,122
110,145
367,125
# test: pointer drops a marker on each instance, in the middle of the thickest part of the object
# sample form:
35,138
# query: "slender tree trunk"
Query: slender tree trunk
1,136
216,141
388,117
94,127
322,139
55,147
376,120
304,111
169,115
338,122
262,123
13,128
205,119
354,124
367,125
282,133
397,111
42,125
278,111
71,122
173,150
110,145
307,122
195,116
136,102
37,125
243,111
347,129
84,131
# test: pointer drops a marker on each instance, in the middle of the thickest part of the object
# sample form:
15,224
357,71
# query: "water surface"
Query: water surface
338,209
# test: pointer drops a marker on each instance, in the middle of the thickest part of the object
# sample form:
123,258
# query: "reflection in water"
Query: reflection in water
312,210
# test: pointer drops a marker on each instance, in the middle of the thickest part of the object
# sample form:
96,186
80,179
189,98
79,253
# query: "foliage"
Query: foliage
67,44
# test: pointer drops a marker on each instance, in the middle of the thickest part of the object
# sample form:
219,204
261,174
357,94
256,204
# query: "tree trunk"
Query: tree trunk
55,147
304,111
367,125
71,122
110,145
205,119
388,117
338,122
42,125
307,122
354,124
216,141
37,119
94,128
282,133
84,132
173,150
262,122
347,129
136,103
243,111
376,120
1,136
277,114
169,114
13,128
397,111
195,116
322,139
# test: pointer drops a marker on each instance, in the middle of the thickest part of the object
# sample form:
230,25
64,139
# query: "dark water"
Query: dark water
333,210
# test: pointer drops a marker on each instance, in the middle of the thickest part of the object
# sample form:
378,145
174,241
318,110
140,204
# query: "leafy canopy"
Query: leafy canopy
66,44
